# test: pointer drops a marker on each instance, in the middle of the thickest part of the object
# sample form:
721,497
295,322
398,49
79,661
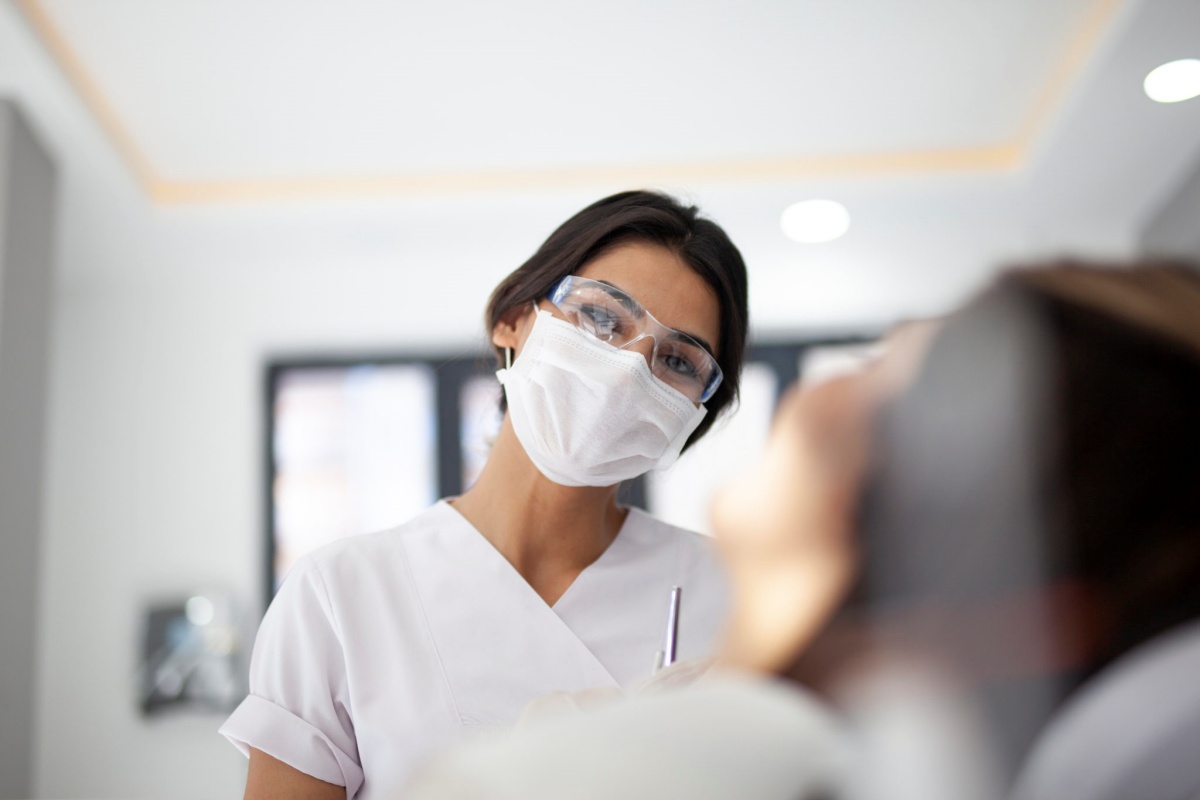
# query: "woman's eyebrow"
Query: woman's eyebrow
700,340
625,299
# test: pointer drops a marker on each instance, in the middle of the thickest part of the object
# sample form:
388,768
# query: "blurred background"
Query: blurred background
245,249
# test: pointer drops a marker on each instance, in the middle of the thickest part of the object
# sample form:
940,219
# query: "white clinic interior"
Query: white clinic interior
236,182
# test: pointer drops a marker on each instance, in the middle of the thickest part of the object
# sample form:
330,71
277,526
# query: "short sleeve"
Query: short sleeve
298,710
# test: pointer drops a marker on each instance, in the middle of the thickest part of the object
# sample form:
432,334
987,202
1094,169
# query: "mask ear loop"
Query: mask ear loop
508,351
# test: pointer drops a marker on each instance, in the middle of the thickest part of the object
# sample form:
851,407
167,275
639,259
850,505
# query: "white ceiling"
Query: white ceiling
255,143
233,91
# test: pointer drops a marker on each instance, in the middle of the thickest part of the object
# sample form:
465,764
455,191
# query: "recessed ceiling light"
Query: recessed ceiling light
1174,81
813,221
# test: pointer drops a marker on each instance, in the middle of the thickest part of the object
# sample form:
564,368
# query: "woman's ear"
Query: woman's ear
512,328
504,335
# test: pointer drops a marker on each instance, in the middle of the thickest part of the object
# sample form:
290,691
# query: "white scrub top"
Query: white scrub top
381,649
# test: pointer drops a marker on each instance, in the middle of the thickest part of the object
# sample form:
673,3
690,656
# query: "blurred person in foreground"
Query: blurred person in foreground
972,570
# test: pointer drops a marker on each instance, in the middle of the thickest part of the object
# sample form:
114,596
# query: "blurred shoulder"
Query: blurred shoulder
730,736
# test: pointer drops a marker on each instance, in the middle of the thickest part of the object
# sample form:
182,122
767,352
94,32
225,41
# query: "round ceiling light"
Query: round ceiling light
1174,81
814,221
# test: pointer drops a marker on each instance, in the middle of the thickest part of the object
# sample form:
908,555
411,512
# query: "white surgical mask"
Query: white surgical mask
589,414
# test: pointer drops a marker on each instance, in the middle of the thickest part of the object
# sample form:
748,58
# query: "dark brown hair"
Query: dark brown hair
654,218
1063,405
1128,450
1043,468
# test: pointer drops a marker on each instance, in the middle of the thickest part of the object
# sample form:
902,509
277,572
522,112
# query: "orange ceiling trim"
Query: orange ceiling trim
984,159
1064,76
78,76
999,158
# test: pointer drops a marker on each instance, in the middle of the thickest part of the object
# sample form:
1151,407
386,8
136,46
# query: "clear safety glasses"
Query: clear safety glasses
615,318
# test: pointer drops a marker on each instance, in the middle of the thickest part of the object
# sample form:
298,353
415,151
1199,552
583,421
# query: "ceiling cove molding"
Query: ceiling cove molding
998,158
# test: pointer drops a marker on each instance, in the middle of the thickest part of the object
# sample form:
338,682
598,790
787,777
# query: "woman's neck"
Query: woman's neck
548,532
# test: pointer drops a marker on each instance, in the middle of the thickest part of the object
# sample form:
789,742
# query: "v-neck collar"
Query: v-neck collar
616,551
619,543
500,645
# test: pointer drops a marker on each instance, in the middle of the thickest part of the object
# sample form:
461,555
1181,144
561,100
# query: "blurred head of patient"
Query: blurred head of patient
1009,495
618,344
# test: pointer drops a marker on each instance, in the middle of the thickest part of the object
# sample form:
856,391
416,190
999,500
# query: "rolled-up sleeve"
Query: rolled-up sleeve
298,710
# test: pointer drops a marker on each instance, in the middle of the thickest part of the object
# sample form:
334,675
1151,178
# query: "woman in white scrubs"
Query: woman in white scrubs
622,339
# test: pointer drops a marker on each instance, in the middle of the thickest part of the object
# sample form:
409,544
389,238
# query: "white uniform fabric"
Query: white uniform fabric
381,649
726,737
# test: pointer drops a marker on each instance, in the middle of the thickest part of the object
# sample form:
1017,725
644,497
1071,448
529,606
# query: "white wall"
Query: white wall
1173,228
27,210
164,318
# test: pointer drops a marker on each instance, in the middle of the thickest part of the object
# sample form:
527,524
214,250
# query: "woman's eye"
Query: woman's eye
680,365
598,321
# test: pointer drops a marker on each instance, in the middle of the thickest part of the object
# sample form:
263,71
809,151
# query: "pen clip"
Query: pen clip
666,656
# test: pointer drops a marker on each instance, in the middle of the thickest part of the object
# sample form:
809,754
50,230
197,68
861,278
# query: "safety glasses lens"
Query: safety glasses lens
615,318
